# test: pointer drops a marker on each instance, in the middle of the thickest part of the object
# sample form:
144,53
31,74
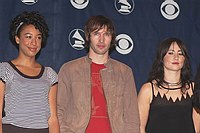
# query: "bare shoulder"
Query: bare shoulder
145,93
146,88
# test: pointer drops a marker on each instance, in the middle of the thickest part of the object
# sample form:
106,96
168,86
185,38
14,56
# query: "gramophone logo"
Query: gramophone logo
124,44
79,4
124,6
76,39
29,2
169,9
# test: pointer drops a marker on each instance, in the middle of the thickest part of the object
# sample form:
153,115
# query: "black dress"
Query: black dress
196,96
168,116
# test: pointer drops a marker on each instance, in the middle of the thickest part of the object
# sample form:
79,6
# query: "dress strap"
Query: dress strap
152,89
192,87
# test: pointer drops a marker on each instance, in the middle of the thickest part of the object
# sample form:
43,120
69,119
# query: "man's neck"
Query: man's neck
99,59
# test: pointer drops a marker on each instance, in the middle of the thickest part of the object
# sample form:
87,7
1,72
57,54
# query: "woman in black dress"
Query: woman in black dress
165,103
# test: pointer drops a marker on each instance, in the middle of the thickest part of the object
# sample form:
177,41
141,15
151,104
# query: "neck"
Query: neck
99,59
172,76
172,79
20,61
171,84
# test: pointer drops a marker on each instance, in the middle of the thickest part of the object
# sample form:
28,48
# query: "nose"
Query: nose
176,56
34,41
101,38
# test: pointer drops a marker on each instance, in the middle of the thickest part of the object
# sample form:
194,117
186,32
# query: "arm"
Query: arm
2,88
53,119
144,99
131,113
196,119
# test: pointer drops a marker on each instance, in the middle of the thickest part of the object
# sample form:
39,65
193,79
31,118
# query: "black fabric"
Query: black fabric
196,99
167,116
7,128
196,96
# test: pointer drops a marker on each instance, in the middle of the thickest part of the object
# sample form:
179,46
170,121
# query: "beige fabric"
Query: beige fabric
74,96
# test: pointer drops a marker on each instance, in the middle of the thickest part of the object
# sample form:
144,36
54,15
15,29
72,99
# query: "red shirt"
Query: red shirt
99,121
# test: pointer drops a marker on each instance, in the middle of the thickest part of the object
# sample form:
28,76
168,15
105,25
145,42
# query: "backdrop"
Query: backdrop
140,24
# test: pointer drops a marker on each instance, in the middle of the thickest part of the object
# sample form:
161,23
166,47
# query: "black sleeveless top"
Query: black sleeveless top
168,116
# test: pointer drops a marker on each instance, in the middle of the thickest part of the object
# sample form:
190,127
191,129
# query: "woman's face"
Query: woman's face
174,58
29,40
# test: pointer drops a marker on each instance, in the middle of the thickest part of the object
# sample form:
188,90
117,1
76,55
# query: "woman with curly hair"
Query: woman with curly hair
29,88
165,104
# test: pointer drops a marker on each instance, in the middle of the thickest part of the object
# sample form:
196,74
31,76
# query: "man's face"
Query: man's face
100,41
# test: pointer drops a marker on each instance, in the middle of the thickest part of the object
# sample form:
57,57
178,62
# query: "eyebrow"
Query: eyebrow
174,50
32,34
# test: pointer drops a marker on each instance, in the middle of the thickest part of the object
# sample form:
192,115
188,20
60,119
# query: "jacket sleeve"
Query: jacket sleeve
62,98
131,113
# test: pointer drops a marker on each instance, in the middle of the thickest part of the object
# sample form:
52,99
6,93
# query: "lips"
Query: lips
101,46
176,63
33,49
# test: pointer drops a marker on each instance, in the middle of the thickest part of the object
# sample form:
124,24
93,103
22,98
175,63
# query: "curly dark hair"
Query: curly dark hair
27,18
157,71
96,23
